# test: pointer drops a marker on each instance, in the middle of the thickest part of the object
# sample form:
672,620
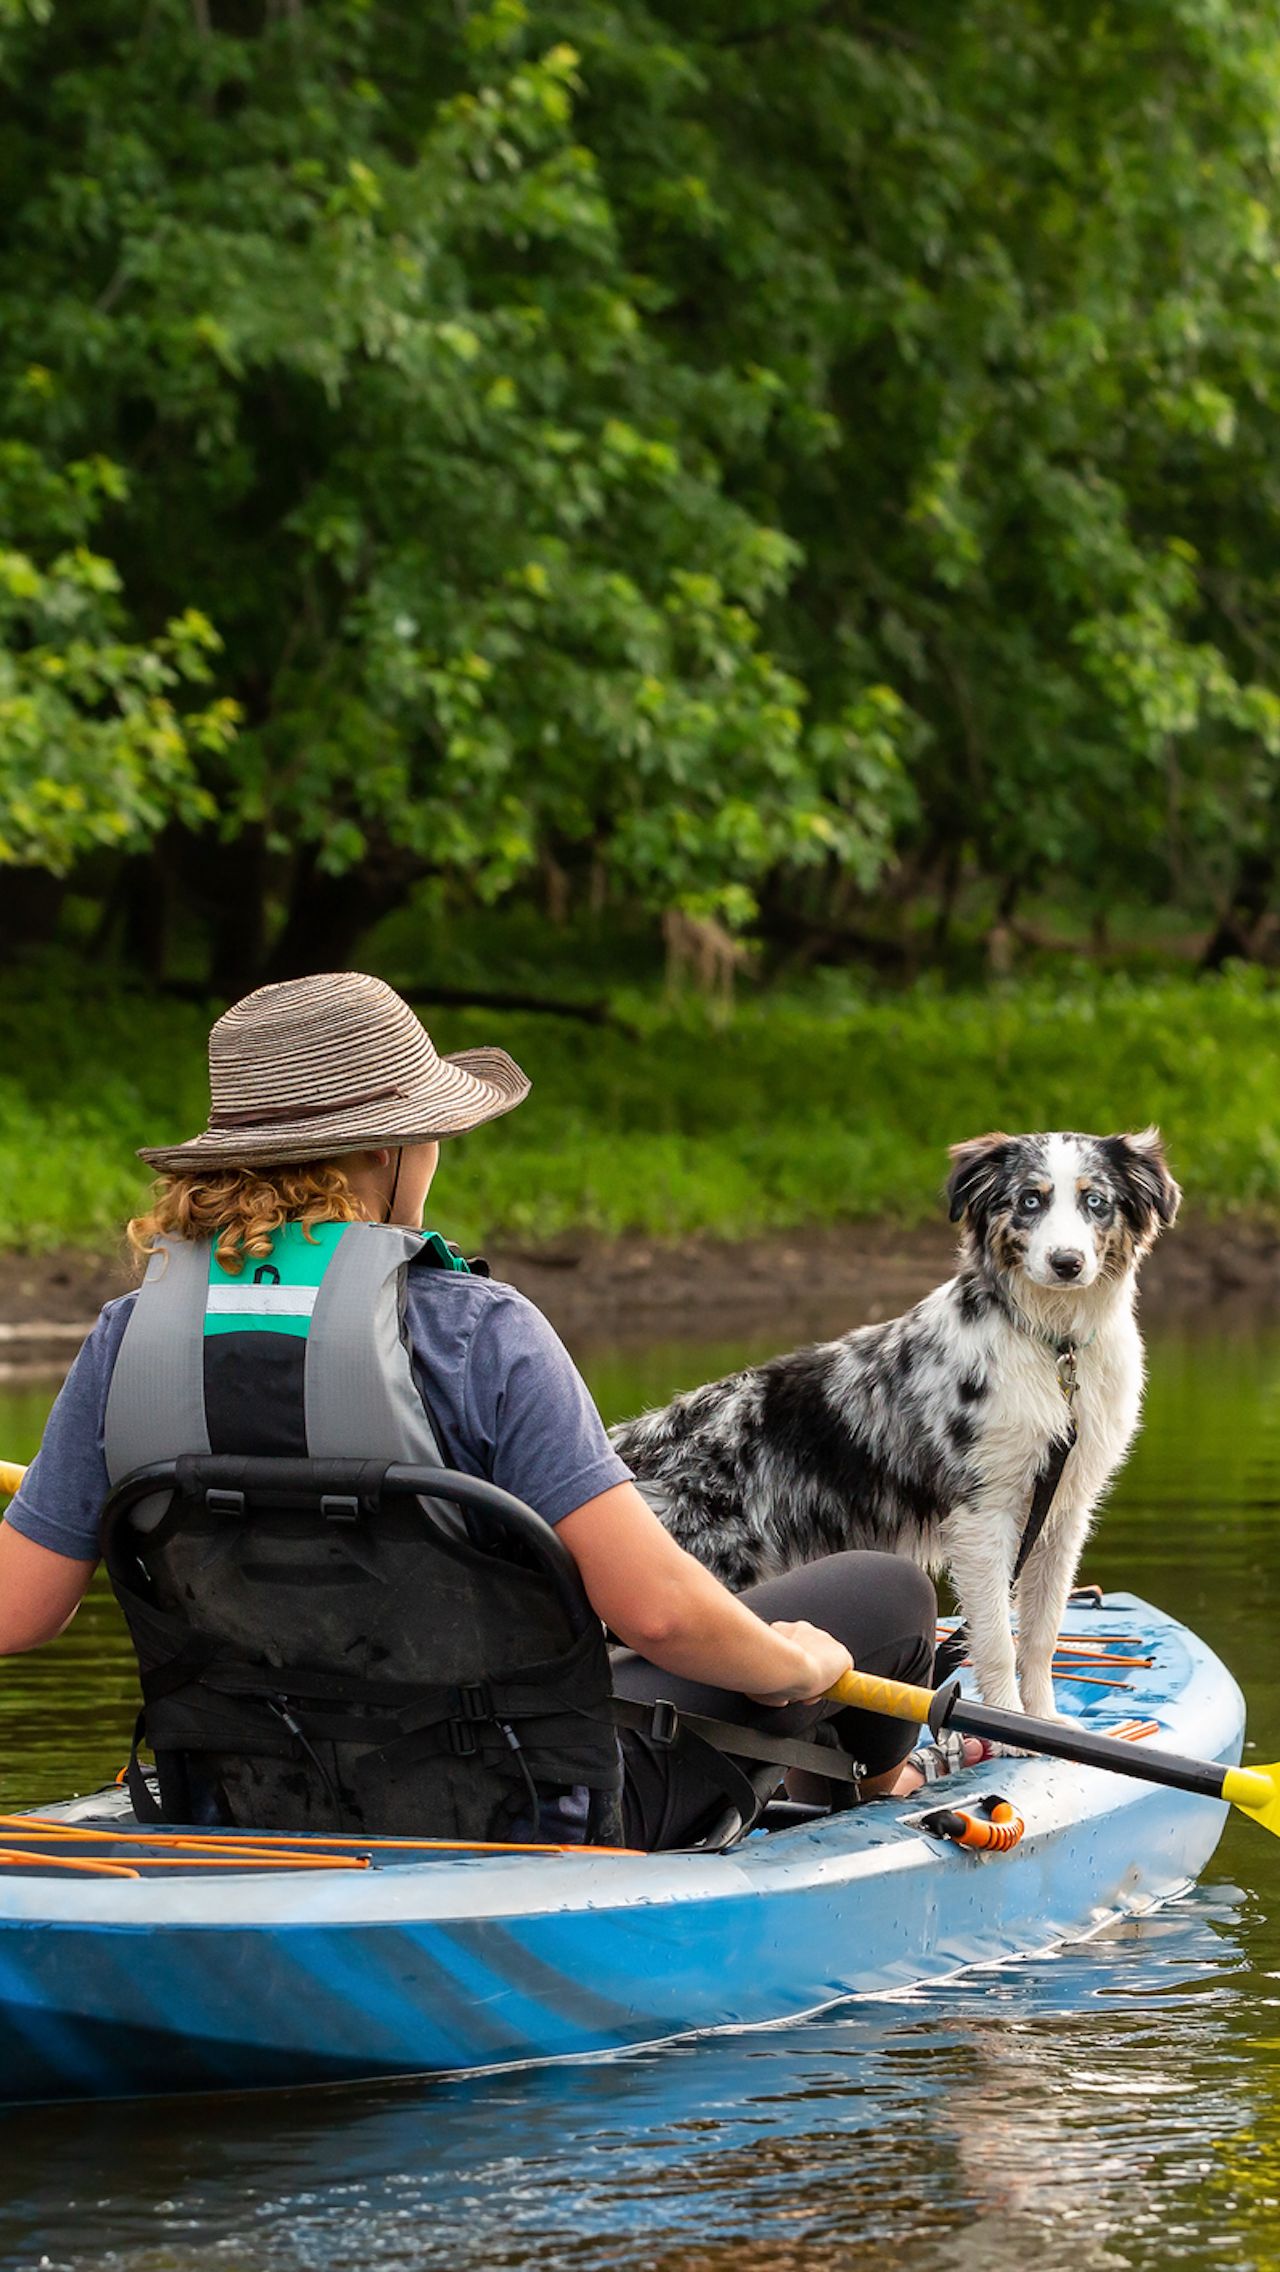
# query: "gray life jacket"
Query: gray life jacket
312,1662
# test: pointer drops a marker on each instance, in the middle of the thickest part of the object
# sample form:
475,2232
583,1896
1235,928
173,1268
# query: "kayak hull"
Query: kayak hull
230,1981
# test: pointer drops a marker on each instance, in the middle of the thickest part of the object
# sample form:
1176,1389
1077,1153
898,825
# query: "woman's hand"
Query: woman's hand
828,1661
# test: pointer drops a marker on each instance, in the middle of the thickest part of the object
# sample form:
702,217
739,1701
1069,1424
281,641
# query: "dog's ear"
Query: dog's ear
975,1171
1147,1190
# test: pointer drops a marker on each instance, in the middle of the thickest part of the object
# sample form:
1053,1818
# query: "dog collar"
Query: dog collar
1060,1343
1066,1352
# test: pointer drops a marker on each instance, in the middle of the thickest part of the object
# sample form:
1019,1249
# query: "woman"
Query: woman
328,1106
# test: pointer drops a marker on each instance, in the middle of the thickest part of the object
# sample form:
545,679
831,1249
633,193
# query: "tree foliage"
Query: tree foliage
1015,272
758,446
93,750
397,419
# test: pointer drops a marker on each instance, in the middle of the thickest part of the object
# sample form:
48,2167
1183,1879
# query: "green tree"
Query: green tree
343,290
1013,271
723,451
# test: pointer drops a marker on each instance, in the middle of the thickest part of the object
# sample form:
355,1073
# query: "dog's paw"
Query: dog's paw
1044,1708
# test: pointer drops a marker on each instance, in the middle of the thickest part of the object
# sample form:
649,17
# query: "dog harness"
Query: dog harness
1067,1367
951,1652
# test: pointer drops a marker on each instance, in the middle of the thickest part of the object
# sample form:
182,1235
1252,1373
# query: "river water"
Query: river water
1112,2106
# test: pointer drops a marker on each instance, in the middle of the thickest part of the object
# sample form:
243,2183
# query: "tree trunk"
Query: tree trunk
144,901
1236,935
949,893
30,904
329,915
223,886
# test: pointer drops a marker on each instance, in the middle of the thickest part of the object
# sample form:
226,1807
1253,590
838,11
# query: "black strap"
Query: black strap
951,1653
192,1661
142,1799
1042,1497
743,1743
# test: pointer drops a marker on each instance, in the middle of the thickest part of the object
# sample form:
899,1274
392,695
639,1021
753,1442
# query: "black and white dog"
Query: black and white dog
926,1435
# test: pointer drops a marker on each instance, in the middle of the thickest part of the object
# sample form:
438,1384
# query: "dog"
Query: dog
926,1435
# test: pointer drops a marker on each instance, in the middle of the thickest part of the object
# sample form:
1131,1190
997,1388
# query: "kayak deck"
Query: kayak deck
252,1964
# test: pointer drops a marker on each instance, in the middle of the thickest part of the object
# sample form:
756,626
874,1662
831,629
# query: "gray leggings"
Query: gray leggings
882,1608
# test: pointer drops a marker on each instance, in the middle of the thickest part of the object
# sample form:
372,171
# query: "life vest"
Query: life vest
399,1671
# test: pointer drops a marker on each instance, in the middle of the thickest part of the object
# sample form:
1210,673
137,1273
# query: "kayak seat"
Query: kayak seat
357,1646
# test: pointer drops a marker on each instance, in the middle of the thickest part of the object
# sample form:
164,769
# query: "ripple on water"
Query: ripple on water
1109,2106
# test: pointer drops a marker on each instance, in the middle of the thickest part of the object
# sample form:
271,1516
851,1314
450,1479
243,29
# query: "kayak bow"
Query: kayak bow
1255,1790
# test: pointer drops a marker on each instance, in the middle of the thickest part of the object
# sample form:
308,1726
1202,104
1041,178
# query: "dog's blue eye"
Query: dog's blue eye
1031,1202
1096,1202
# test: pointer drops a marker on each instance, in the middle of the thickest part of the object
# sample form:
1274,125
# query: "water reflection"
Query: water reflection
1111,2106
1036,2107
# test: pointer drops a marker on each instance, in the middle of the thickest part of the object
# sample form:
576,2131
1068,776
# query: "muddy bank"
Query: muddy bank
632,1290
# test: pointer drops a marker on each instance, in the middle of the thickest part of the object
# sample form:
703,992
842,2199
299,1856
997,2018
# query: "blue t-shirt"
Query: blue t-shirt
503,1395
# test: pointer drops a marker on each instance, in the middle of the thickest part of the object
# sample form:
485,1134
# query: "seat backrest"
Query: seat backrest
323,1646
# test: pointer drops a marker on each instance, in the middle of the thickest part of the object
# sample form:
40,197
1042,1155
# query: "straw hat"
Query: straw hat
336,1063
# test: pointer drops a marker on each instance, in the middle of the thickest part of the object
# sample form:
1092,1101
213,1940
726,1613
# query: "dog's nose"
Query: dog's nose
1066,1262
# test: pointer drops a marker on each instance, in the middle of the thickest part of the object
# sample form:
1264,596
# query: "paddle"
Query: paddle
1255,1790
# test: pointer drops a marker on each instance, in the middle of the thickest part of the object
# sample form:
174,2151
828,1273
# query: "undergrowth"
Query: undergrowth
815,1107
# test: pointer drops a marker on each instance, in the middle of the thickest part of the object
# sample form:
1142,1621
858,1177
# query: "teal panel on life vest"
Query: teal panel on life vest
276,1293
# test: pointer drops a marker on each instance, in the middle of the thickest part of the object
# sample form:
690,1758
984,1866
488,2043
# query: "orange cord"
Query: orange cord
1099,1657
1087,1679
273,1844
202,1861
19,1826
97,1869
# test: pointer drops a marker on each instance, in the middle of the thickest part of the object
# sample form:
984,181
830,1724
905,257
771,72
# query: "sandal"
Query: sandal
948,1755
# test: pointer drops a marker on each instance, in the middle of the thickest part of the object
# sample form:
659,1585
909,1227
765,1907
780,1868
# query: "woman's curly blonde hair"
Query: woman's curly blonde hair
240,1208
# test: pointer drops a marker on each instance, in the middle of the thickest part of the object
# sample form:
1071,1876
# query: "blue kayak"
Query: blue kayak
232,1970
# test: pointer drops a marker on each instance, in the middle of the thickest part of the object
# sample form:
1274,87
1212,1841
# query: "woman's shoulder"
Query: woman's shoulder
456,1318
467,1294
108,1329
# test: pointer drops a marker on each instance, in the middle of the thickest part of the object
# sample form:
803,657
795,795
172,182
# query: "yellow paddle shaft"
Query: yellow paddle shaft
897,1699
10,1476
1255,1790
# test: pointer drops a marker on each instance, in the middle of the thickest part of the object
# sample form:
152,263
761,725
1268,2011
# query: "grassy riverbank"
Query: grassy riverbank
813,1107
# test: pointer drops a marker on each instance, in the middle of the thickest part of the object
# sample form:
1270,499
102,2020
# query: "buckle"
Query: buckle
462,1739
339,1507
475,1700
664,1725
220,1502
1067,1368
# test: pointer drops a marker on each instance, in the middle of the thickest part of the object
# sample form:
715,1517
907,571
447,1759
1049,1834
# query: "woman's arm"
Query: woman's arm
658,1600
40,1591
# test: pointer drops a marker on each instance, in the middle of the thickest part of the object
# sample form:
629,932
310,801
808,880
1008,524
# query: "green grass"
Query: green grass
821,1106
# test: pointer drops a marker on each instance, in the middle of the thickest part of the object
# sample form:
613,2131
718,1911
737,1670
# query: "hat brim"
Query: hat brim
466,1089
